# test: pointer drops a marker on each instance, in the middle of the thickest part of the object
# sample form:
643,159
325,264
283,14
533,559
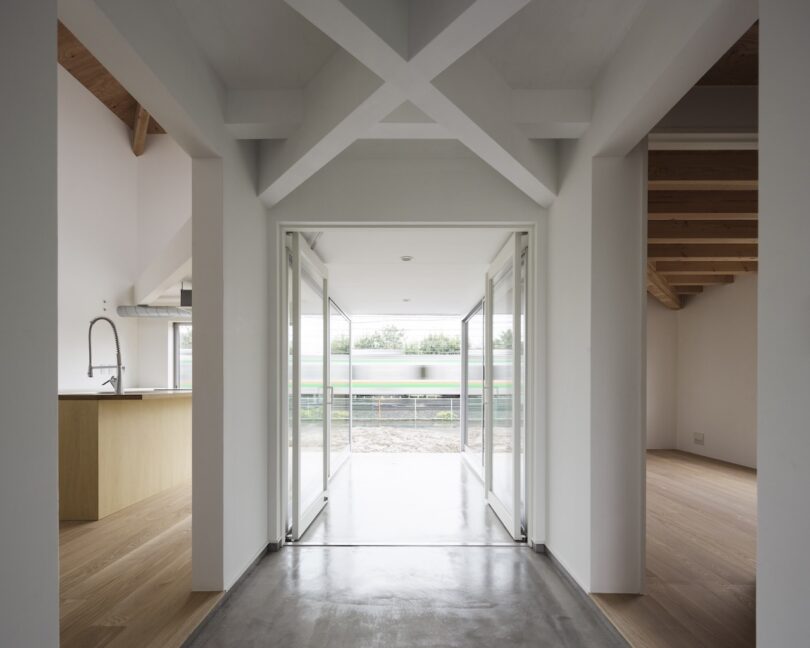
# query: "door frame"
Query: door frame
536,474
302,256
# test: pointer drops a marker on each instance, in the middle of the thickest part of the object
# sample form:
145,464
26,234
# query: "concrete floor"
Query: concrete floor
312,595
409,597
406,498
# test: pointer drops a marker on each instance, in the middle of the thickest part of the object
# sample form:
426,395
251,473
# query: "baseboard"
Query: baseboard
226,595
586,598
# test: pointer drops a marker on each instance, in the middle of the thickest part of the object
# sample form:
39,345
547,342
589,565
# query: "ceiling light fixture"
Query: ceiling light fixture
406,257
407,299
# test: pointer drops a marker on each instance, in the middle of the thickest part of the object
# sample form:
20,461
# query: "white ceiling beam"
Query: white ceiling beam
341,103
528,165
279,114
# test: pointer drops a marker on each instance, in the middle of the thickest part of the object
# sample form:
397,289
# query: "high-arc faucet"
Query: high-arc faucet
115,381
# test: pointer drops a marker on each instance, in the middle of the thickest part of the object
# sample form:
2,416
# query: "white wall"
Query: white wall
98,230
783,570
701,373
164,195
717,372
116,213
662,375
29,570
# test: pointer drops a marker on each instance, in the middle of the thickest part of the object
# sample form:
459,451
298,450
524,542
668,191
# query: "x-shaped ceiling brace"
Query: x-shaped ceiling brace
470,102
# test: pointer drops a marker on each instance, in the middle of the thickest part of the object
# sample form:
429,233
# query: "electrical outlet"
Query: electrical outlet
698,438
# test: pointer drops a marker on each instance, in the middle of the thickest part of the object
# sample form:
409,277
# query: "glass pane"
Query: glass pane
522,402
290,409
311,426
182,379
340,377
475,383
503,477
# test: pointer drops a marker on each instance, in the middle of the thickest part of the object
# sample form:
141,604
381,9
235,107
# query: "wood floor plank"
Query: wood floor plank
701,557
126,579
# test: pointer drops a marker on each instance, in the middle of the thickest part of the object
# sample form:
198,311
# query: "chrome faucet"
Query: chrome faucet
114,381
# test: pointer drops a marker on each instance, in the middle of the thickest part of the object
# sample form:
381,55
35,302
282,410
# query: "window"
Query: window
182,356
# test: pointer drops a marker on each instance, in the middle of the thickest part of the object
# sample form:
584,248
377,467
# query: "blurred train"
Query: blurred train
394,373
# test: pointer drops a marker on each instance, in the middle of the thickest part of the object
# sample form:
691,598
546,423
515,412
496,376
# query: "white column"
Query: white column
29,570
618,358
783,444
208,377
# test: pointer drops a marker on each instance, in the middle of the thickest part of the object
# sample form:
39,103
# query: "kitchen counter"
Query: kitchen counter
118,449
135,394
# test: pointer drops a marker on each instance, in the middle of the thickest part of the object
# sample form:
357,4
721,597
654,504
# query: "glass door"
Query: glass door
309,304
472,387
503,406
339,394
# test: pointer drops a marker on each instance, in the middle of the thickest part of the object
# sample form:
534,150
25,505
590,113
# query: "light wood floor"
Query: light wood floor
701,557
126,579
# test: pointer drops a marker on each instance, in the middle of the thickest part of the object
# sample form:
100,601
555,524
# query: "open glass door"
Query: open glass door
472,388
503,406
309,305
339,394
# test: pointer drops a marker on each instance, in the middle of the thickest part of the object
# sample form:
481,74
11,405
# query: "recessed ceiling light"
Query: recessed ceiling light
406,257
407,299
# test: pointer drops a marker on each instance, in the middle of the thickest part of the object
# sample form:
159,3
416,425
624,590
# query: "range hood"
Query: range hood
165,312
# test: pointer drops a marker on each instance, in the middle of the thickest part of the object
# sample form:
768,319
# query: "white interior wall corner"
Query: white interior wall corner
783,444
29,569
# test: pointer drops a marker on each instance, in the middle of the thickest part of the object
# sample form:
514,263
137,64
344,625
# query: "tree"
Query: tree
436,344
340,345
504,340
389,337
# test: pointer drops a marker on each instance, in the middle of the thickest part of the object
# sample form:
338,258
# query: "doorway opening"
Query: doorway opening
406,417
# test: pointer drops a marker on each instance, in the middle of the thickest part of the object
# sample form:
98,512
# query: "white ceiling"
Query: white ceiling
445,277
560,44
257,44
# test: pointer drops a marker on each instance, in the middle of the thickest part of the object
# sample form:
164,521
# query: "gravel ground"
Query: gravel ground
392,439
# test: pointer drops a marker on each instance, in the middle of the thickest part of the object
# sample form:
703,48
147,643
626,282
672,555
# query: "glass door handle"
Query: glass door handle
330,394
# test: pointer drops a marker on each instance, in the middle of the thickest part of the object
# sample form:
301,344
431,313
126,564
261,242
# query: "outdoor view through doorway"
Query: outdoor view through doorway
388,422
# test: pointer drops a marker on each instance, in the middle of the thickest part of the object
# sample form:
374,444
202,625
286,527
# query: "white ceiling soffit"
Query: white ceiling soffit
445,277
559,43
257,44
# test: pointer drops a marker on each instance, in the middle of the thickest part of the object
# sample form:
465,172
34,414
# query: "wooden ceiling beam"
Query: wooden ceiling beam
88,70
659,288
702,252
733,166
702,202
705,267
139,130
703,216
697,280
702,185
692,231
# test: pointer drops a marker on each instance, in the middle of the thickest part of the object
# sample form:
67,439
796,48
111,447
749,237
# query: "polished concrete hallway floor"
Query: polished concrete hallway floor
408,499
406,597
